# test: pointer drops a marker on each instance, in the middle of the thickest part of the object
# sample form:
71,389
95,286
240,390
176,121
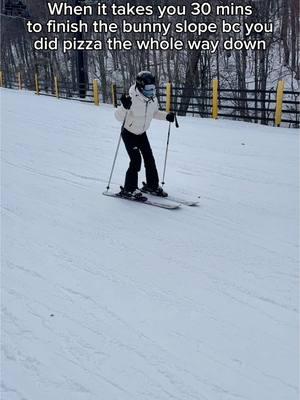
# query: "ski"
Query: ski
169,205
185,202
189,203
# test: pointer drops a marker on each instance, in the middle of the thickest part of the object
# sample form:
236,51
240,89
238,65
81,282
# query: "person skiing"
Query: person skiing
137,111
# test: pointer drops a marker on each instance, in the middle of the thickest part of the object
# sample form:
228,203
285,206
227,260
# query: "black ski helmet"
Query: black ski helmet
144,78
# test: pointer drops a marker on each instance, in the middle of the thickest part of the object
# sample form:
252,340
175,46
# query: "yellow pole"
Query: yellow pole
37,85
19,80
1,79
113,92
279,101
169,97
215,100
96,92
56,87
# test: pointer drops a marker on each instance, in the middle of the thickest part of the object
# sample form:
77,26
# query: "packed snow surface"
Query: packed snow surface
108,299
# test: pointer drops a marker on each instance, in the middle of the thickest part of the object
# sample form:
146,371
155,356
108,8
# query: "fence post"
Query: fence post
279,101
169,97
19,81
1,79
37,85
56,87
114,94
215,99
96,92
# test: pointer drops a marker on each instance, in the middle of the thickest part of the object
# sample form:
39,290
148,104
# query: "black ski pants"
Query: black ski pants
137,145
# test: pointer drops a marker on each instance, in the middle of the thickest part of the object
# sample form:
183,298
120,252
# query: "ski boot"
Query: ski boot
136,194
155,192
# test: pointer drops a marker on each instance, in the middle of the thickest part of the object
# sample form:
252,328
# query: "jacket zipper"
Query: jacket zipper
145,115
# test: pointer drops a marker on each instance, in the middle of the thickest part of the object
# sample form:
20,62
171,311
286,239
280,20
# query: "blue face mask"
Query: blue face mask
149,91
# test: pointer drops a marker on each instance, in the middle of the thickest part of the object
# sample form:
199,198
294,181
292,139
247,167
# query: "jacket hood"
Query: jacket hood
133,91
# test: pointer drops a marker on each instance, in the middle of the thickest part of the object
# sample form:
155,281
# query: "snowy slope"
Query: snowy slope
108,299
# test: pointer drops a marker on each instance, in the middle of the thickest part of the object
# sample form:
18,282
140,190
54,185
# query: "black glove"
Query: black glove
126,101
170,117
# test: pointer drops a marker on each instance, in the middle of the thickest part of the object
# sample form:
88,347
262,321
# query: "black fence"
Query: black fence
66,90
258,106
63,90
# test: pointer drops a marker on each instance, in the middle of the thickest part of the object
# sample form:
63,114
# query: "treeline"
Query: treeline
192,70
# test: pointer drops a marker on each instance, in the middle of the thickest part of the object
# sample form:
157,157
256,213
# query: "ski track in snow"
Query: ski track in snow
107,299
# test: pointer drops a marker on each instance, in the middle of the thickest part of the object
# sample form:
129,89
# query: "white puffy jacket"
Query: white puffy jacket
141,113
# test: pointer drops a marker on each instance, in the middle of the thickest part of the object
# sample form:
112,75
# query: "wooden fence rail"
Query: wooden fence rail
265,106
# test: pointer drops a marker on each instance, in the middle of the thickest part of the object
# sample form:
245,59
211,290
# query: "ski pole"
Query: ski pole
167,149
166,155
116,154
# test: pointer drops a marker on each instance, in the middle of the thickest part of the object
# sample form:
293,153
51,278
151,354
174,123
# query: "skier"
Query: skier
137,111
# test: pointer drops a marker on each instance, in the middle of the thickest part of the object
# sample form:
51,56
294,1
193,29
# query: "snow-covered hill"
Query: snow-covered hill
104,299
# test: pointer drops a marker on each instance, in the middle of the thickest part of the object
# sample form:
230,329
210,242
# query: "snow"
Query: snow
109,299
